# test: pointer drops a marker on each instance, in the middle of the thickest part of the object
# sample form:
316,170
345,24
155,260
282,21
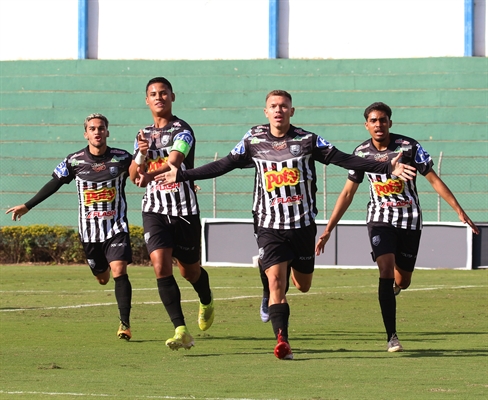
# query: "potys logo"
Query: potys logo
154,164
105,195
285,177
391,186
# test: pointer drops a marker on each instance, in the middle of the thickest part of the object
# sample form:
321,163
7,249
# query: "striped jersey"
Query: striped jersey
393,200
100,182
175,199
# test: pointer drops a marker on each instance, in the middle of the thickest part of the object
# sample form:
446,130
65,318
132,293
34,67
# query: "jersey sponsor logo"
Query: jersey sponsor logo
299,138
154,164
75,162
97,167
422,157
322,143
101,214
290,200
361,154
397,204
295,149
115,151
118,159
61,170
104,195
81,153
364,146
184,136
391,186
170,187
280,145
239,149
114,171
256,140
285,177
382,157
402,141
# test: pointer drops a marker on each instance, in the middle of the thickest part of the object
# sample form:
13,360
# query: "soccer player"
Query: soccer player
170,213
394,216
284,204
100,173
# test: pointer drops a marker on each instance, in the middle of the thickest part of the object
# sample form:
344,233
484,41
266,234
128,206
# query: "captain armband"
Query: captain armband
181,146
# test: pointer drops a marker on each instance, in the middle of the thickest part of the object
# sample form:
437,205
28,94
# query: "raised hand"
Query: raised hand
169,176
403,171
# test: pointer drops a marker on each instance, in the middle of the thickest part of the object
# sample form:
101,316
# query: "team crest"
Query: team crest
295,149
165,140
114,171
376,240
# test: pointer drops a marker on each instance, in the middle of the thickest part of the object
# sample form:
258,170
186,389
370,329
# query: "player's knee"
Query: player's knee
304,288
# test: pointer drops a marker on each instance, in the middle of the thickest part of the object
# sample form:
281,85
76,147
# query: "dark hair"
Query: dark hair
159,79
278,93
378,106
95,116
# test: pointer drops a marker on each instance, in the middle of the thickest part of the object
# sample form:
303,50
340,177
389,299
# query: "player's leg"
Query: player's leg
187,251
406,258
118,253
158,233
383,243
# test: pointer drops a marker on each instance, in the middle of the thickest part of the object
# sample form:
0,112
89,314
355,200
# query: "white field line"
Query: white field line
440,287
118,395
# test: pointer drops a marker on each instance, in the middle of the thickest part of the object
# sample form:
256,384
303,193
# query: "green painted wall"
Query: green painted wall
442,102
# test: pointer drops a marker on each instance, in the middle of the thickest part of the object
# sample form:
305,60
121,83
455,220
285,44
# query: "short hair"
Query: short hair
378,106
159,79
95,116
282,93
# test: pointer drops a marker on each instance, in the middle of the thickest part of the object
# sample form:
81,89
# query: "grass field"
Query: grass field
58,339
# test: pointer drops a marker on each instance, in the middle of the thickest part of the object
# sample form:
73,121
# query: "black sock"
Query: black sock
265,282
279,315
123,295
170,295
202,287
387,300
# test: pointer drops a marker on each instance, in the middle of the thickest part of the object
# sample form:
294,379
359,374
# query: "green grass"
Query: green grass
58,339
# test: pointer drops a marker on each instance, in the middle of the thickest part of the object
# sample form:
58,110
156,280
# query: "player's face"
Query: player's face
378,126
159,98
278,111
96,133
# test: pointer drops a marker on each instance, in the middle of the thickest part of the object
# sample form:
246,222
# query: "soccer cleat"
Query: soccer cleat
394,344
206,315
264,310
283,350
396,289
181,339
124,332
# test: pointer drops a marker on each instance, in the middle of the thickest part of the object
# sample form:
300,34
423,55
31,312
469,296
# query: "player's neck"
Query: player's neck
381,146
97,151
279,132
160,121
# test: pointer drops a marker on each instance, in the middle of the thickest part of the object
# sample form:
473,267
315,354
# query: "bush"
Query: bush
55,245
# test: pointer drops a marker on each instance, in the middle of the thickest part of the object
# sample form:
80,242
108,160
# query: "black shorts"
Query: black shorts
100,255
403,243
182,234
295,245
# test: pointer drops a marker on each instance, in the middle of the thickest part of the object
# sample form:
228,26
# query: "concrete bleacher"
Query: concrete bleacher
442,102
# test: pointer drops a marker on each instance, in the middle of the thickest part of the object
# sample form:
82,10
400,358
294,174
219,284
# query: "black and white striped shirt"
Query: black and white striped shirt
285,179
100,182
175,199
393,200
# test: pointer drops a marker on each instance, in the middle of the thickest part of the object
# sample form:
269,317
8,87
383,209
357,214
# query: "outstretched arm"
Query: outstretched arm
47,190
342,204
207,171
441,188
349,161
